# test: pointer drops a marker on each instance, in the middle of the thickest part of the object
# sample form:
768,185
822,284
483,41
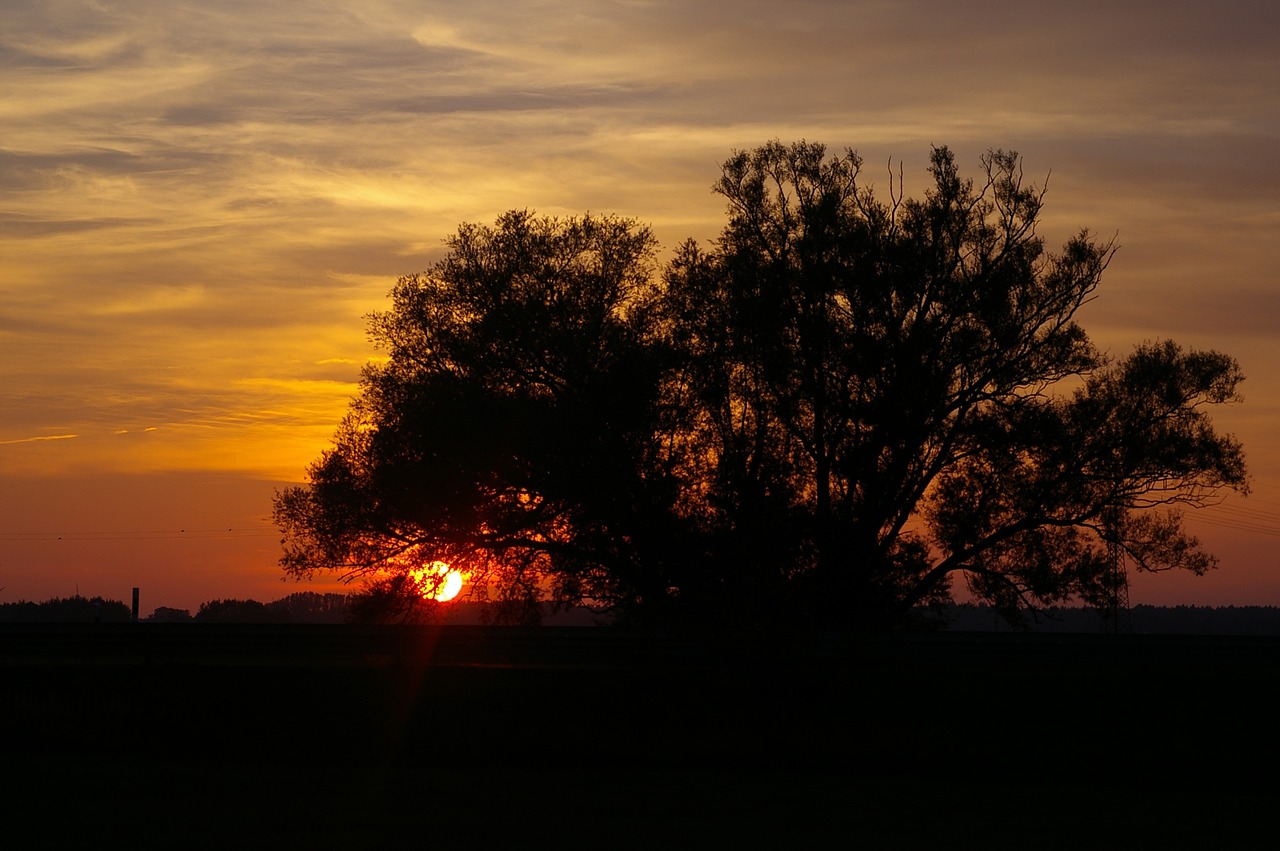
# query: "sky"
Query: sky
200,202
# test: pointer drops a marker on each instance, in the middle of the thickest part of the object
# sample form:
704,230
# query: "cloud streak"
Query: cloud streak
38,439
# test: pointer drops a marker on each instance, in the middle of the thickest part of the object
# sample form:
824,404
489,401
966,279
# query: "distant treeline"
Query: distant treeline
75,609
304,607
1140,619
310,607
299,608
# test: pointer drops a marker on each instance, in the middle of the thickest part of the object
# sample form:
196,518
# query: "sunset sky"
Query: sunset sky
199,203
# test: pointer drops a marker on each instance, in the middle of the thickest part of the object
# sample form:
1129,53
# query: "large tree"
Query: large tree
896,392
514,432
840,406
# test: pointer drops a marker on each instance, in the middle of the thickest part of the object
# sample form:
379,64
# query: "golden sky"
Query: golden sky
199,202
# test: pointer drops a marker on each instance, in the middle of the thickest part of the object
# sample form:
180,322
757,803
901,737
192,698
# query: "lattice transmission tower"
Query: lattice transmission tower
1115,617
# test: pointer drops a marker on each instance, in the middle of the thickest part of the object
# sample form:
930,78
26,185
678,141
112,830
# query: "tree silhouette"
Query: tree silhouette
167,614
867,367
237,611
309,607
839,407
74,609
514,431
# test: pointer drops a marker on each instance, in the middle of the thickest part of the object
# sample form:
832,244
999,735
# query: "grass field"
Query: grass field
345,737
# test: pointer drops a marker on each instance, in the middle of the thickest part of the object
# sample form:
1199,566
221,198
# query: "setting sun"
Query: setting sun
437,581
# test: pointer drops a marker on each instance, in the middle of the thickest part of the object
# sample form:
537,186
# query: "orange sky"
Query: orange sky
200,201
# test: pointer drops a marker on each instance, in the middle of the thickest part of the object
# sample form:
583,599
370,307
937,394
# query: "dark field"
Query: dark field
336,736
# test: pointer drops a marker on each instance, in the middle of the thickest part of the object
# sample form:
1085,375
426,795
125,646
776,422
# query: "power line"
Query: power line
1242,525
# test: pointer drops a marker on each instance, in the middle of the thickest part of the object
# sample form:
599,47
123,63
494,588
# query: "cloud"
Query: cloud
202,202
38,438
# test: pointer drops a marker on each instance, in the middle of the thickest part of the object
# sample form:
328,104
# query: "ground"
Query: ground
347,737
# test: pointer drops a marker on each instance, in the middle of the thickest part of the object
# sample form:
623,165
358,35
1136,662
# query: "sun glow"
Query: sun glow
437,581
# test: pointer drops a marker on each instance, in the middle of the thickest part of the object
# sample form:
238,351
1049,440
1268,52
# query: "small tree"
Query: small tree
842,405
167,614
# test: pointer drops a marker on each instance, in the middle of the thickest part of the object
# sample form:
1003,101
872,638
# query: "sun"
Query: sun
437,581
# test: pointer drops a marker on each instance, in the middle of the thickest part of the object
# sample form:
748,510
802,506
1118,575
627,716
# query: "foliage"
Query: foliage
302,607
167,614
391,600
843,404
511,432
75,609
237,611
309,607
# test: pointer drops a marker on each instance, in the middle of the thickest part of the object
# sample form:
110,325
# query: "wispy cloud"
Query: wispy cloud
38,439
201,202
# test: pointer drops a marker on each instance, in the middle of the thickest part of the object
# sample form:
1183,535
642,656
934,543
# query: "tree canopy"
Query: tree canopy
829,415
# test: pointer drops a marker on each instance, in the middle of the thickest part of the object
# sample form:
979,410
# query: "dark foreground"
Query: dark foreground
345,737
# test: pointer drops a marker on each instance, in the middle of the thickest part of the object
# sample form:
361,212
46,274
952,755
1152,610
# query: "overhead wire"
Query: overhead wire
1244,514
